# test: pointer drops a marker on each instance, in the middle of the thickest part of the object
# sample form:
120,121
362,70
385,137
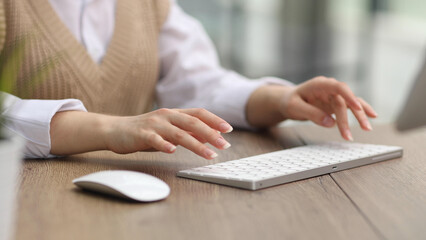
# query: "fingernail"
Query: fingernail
348,135
223,143
171,148
327,121
209,153
225,127
368,125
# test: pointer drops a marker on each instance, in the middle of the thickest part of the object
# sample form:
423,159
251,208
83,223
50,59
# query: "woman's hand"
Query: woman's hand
315,100
75,132
163,129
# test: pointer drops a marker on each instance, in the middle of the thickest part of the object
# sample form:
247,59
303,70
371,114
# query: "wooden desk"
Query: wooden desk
380,201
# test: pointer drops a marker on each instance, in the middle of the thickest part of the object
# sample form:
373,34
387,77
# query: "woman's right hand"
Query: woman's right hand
164,129
77,132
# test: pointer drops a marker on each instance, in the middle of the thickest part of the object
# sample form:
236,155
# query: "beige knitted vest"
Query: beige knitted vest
57,66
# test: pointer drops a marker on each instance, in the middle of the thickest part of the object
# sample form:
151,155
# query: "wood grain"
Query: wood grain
50,207
390,194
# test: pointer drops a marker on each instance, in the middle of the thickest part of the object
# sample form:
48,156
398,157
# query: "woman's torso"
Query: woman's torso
56,66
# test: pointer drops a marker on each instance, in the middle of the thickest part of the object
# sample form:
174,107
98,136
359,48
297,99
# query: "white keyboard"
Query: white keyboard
290,165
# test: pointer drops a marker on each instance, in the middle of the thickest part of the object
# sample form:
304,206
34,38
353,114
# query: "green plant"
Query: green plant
10,62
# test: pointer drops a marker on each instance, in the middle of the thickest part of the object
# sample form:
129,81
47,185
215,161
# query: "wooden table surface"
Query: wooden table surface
386,200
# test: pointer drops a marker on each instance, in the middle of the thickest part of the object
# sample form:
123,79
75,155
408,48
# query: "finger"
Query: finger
341,88
157,142
200,139
367,108
301,110
340,110
181,137
209,118
200,129
362,119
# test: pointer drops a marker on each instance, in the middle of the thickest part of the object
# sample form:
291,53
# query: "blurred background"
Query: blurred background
376,46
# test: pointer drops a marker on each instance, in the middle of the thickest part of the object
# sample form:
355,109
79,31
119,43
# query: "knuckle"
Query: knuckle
164,111
340,103
362,117
342,85
179,136
193,121
292,102
151,138
200,148
152,120
342,125
212,134
322,79
200,111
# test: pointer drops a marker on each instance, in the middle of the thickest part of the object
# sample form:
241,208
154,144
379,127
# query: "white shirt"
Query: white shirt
191,75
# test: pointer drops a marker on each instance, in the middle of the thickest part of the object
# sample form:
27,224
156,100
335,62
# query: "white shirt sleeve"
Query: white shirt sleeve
31,120
191,75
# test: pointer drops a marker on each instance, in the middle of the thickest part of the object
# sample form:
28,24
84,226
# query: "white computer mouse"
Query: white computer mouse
127,184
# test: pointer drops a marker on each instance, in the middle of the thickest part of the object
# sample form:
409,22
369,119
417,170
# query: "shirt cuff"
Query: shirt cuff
31,120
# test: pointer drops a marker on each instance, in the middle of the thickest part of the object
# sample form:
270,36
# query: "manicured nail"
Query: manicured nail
368,125
223,143
209,153
170,147
327,121
225,127
348,135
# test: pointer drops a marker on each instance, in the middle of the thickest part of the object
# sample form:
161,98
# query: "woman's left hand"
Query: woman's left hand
316,100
